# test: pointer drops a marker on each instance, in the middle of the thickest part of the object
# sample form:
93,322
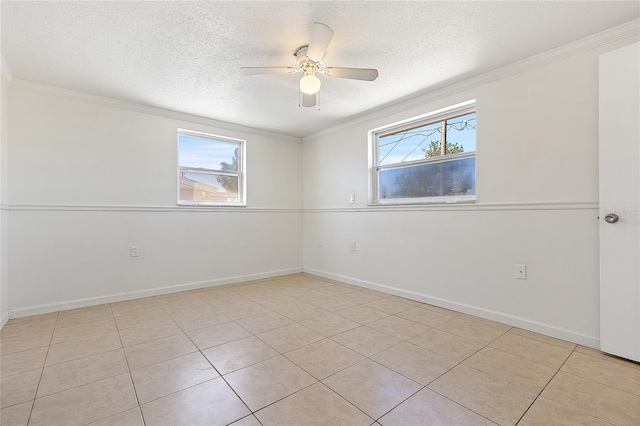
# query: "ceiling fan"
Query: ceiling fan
309,60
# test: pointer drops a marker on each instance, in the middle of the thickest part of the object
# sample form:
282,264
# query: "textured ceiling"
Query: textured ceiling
185,56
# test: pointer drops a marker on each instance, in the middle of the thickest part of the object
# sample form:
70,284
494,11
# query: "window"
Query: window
210,170
431,158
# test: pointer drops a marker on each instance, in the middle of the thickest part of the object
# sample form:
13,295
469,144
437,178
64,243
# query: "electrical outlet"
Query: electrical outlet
133,251
521,272
353,246
352,198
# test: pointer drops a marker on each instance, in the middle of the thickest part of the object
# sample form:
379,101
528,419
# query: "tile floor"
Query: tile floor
299,350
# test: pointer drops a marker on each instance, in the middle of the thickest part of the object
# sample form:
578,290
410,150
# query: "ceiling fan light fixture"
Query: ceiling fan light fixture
310,84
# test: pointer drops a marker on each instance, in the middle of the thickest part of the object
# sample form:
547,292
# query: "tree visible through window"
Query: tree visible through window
209,170
427,159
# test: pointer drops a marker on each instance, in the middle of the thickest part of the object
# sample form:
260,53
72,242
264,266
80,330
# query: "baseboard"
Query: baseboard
515,321
4,319
119,297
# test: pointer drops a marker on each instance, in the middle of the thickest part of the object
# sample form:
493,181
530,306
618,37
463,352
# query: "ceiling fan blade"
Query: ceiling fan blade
267,70
352,73
321,36
308,100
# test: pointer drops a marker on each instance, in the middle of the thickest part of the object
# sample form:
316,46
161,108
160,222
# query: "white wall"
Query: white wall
88,180
537,194
4,307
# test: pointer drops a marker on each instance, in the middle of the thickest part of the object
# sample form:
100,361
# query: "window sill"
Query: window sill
196,204
424,201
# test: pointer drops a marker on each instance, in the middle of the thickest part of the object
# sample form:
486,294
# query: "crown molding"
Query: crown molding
145,109
612,34
5,73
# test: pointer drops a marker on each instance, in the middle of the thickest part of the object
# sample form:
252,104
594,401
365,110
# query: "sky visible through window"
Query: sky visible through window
407,146
201,153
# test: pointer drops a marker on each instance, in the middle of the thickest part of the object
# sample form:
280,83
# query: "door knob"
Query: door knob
611,218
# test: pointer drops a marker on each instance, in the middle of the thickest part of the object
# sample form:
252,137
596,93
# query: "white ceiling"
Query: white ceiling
185,56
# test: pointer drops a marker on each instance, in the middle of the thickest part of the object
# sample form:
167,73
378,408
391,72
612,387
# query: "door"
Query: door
619,121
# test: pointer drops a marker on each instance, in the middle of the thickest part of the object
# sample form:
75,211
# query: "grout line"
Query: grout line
545,386
42,372
259,286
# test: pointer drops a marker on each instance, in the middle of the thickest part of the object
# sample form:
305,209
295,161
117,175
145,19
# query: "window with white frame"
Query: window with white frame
210,170
426,159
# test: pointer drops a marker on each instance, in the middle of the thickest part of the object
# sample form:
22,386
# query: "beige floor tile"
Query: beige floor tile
261,323
440,310
27,327
152,316
233,300
333,303
329,324
324,358
136,335
471,330
132,417
534,350
316,284
389,305
510,368
268,381
19,388
33,318
336,290
603,402
282,303
416,363
405,300
542,338
302,312
201,309
365,340
239,354
492,398
217,335
249,309
362,314
164,378
21,362
80,348
23,342
84,309
262,294
149,353
602,355
85,404
371,387
81,371
315,405
448,345
425,316
398,327
428,408
80,331
16,415
212,293
545,412
133,306
199,320
310,295
362,296
250,420
626,378
289,337
488,323
84,317
181,302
